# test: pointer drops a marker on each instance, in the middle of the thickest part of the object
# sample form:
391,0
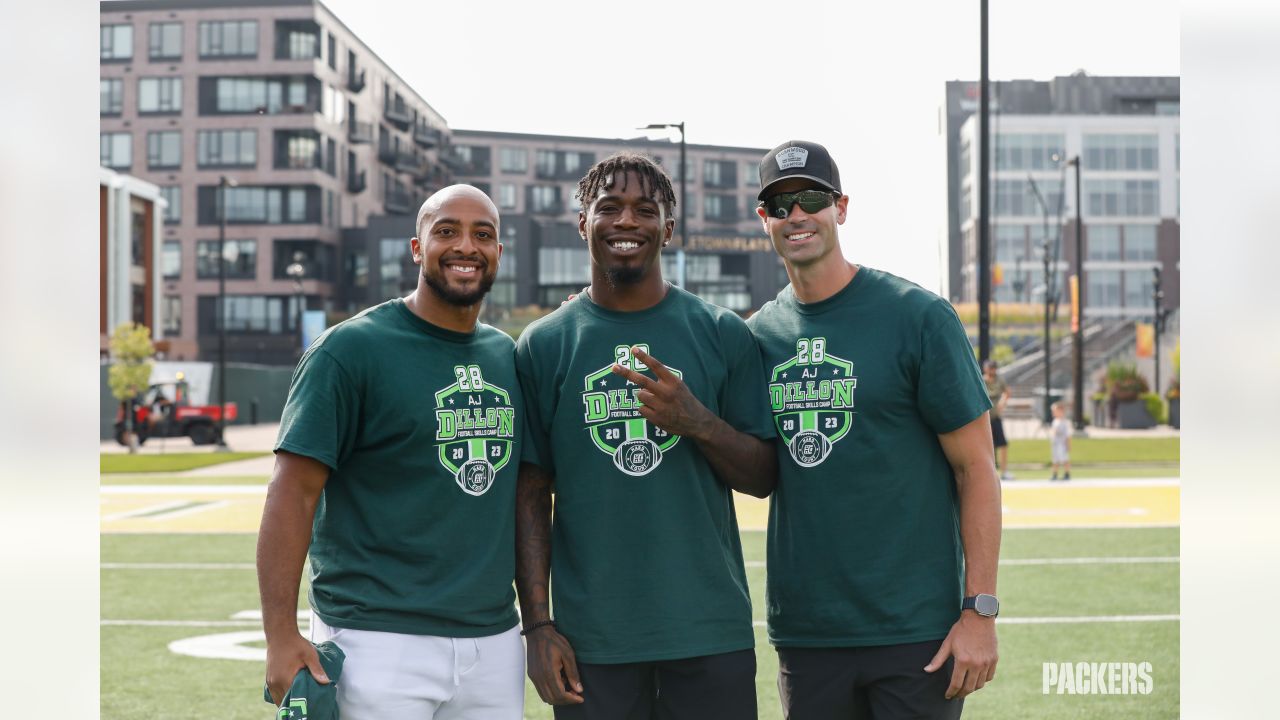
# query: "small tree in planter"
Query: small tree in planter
1126,390
129,375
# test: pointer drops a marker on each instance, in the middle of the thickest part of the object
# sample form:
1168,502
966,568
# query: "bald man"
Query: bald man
395,474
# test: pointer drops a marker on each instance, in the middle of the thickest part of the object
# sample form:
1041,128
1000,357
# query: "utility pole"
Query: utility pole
1157,321
1048,415
224,182
1077,340
984,199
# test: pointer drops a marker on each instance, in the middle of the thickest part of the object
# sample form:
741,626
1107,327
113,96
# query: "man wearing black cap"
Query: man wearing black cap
884,529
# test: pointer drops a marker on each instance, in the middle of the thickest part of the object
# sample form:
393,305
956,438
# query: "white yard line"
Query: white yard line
1069,620
148,510
1094,482
182,489
1059,561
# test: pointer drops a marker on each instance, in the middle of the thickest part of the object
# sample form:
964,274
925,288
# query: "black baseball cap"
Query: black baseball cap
802,159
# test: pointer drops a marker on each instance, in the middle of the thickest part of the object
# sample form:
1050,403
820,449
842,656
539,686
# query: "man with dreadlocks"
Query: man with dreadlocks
653,618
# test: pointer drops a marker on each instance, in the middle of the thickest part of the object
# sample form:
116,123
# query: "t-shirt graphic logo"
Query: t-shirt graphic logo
811,395
475,426
792,157
612,415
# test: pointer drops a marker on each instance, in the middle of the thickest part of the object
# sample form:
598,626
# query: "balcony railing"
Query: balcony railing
355,80
356,182
426,136
397,201
359,132
407,162
397,114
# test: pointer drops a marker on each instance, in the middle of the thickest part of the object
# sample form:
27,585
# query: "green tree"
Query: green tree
130,374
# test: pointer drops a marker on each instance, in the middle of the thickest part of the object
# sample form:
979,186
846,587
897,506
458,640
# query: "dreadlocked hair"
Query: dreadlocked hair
654,181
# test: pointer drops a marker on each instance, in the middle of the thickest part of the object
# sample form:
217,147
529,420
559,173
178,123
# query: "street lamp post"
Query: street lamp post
296,272
1157,320
684,208
1048,415
1077,340
224,182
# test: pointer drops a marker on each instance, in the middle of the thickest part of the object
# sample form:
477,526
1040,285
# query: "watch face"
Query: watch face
986,605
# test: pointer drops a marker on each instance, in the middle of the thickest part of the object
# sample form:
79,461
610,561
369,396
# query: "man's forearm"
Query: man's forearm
980,521
742,461
282,549
533,543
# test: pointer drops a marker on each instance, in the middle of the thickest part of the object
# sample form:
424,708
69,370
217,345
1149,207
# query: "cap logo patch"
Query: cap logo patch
792,157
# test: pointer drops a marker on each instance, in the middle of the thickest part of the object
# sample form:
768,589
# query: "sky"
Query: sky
864,79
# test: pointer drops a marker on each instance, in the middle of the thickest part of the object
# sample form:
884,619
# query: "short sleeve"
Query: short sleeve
744,401
320,416
950,392
536,445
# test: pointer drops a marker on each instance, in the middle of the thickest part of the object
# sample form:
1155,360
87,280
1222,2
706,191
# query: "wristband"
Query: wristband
535,626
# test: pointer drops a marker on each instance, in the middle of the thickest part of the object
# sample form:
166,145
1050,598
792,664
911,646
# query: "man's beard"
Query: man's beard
456,297
624,275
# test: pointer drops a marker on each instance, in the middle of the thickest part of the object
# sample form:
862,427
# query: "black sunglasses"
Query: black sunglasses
811,201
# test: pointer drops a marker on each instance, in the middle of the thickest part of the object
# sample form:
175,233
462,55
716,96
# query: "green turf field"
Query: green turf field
157,589
171,462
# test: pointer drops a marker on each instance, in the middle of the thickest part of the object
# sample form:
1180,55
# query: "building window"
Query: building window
1104,242
392,276
333,52
1121,198
1017,198
1010,243
1028,151
545,164
160,95
261,314
241,258
1140,242
333,105
229,39
545,199
1138,286
164,149
720,208
719,173
112,96
298,150
298,40
269,205
164,41
115,150
563,265
171,260
116,42
253,95
1103,289
172,195
751,174
513,160
227,148
171,315
506,196
316,259
1110,151
576,162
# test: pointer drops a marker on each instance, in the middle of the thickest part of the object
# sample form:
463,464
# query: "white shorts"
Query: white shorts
1059,453
427,677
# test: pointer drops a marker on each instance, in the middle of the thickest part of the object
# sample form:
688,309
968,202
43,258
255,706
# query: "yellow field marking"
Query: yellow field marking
237,509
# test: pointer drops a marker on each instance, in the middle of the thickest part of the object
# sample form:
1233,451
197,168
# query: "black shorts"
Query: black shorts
711,687
997,431
881,683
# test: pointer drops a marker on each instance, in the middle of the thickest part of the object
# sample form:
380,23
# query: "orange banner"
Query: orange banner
1146,334
1075,303
997,274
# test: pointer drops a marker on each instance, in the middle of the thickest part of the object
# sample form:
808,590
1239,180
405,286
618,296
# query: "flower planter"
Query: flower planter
1133,415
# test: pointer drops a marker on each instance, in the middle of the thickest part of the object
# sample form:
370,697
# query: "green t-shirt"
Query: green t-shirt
646,560
415,530
864,545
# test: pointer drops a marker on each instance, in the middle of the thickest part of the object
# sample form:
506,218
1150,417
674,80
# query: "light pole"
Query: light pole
1048,416
984,196
296,272
224,182
1077,340
1157,321
684,208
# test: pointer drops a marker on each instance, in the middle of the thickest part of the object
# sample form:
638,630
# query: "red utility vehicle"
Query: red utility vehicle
165,410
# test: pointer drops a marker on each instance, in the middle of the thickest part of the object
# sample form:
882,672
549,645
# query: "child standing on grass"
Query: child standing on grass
1060,441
